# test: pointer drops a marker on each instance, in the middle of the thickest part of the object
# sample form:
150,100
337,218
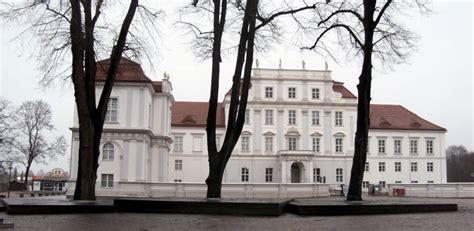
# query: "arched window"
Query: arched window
108,151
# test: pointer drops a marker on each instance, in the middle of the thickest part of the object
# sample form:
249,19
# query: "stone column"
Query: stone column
257,131
280,125
305,135
327,132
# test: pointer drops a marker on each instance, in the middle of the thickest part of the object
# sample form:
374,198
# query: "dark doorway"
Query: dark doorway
296,173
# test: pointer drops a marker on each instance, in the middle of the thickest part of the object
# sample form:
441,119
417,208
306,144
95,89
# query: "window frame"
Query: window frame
178,165
268,174
268,144
414,166
245,174
269,92
268,117
381,166
339,175
338,146
178,145
291,117
108,152
315,118
315,93
245,143
291,92
107,180
338,119
108,116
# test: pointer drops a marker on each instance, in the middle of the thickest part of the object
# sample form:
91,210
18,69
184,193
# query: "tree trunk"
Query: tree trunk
86,175
214,180
26,175
218,159
363,107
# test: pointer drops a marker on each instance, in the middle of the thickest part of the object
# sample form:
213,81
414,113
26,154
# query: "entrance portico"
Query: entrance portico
296,166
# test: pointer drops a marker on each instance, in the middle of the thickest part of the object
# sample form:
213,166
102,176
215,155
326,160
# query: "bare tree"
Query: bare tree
32,120
75,28
364,29
242,74
459,164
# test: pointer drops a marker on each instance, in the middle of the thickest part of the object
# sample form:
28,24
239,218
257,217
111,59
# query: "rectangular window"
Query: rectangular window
268,92
397,144
178,165
398,182
338,118
365,184
269,144
315,117
197,144
382,184
429,167
429,147
177,180
111,114
430,182
414,167
414,182
268,174
398,166
315,93
413,146
381,146
245,143
317,175
107,181
245,175
178,143
381,166
291,117
247,116
292,92
338,174
316,144
366,169
292,143
339,145
268,117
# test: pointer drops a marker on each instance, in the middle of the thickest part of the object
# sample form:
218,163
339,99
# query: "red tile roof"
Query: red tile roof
194,114
396,117
383,117
128,71
339,87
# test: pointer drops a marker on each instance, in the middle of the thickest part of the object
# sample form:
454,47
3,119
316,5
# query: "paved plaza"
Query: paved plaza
461,220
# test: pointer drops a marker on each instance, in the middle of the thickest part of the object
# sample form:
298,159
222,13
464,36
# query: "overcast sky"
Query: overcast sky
436,83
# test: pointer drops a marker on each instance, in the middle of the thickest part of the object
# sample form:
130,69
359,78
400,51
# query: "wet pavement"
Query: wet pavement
461,220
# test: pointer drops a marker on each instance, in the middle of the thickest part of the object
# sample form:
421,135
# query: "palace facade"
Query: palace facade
299,128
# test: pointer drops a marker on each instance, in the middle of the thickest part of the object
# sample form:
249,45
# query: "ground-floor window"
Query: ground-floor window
269,175
245,175
317,175
107,180
177,180
365,184
382,184
339,175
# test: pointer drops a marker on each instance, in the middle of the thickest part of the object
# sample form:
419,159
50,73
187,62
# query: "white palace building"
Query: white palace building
298,135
